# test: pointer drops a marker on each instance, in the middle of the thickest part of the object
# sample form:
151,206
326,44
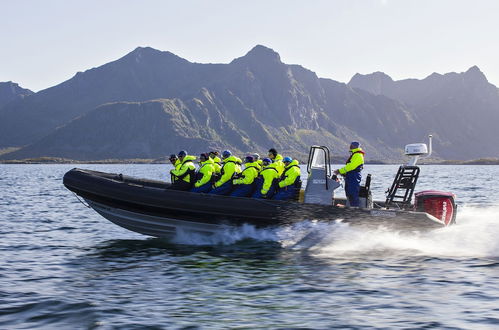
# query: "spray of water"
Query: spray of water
475,235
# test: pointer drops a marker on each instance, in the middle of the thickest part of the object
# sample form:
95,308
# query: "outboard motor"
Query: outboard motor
440,204
320,185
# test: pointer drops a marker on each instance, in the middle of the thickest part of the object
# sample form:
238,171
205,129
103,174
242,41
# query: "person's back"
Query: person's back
238,162
184,175
352,172
266,181
216,161
204,174
176,165
244,185
290,182
276,160
223,186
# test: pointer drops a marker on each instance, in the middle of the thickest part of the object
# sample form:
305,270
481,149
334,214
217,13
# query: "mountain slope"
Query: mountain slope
149,129
141,75
10,91
153,129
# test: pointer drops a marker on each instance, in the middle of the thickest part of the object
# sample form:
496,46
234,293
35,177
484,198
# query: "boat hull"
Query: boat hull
151,208
151,225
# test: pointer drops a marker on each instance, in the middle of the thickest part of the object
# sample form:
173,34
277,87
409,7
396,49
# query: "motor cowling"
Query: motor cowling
440,204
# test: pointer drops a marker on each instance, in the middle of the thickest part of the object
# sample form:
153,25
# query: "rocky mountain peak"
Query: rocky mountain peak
260,54
149,54
10,90
378,76
374,83
474,74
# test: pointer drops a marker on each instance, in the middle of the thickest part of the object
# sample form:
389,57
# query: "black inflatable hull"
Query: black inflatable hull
149,207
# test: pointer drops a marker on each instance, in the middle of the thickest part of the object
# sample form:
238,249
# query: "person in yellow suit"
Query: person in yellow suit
204,174
176,165
290,182
256,158
351,172
244,185
267,180
276,160
230,168
216,161
184,175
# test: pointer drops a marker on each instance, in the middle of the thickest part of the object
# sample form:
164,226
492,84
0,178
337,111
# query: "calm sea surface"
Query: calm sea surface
62,266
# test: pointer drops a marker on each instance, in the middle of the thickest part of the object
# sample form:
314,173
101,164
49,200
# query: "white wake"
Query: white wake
476,234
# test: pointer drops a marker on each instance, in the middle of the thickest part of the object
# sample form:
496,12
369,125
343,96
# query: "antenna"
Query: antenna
430,138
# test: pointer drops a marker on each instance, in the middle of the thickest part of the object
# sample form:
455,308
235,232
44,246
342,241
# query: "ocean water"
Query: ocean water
62,266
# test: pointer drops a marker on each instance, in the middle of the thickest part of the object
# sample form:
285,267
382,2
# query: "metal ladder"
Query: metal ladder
402,188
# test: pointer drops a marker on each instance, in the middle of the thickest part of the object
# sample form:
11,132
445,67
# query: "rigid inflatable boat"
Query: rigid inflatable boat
149,207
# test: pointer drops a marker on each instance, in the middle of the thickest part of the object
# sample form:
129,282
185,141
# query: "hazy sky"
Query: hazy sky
44,43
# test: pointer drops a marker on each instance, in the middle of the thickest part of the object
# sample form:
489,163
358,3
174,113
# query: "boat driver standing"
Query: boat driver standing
351,172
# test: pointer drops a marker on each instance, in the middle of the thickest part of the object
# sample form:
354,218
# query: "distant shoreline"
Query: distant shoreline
53,160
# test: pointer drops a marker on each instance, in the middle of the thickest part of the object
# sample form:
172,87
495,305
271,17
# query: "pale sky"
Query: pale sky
44,43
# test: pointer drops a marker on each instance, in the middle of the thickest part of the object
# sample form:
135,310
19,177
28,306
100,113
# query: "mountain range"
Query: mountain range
151,103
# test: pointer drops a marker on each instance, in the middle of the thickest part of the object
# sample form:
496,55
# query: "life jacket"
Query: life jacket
190,172
216,164
361,166
199,174
222,170
297,183
261,176
243,175
259,162
237,169
278,163
235,162
255,167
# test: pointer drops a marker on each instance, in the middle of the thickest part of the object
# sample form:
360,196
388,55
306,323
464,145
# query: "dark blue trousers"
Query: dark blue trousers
202,189
224,189
285,193
352,187
242,190
258,189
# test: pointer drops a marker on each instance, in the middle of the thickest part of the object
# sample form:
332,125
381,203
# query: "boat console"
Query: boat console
320,184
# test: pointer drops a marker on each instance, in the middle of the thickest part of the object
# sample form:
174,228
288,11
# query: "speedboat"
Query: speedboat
149,207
